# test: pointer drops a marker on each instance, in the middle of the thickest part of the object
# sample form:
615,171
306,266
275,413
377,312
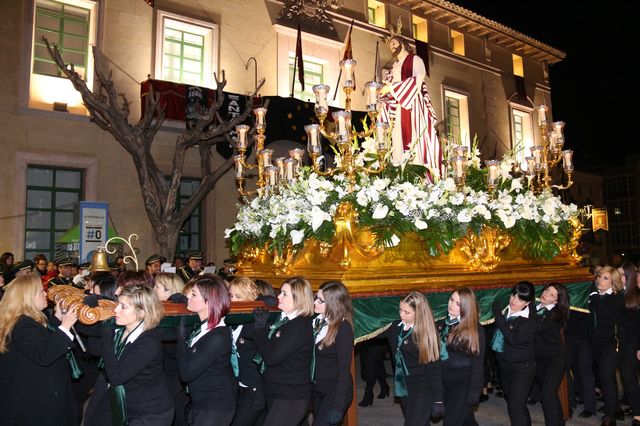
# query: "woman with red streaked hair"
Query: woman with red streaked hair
204,357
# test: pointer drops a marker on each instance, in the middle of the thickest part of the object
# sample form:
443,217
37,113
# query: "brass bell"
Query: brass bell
99,261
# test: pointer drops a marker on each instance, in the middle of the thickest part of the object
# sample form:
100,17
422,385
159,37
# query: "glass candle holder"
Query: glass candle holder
321,91
313,137
348,66
241,131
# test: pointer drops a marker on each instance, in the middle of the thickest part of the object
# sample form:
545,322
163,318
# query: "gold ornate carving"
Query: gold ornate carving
350,238
483,249
571,247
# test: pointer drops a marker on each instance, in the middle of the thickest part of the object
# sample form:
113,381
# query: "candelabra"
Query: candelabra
544,158
343,134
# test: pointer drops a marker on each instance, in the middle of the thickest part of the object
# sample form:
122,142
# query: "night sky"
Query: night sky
591,87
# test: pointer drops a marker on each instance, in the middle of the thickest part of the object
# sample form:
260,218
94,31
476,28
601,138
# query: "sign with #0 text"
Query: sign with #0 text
94,219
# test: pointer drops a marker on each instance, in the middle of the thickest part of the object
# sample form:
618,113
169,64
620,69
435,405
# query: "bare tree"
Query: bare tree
110,110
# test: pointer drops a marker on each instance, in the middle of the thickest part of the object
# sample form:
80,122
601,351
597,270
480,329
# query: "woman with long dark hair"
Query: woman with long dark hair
204,359
552,313
418,376
462,349
333,330
286,350
607,306
630,346
35,358
514,344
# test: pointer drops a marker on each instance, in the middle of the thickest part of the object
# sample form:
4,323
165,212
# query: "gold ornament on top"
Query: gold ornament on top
128,243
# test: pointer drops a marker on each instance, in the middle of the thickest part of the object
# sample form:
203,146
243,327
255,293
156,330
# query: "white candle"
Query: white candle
272,173
542,115
260,114
289,165
567,160
242,130
340,118
237,161
372,88
321,91
265,157
381,135
279,162
492,171
347,70
313,140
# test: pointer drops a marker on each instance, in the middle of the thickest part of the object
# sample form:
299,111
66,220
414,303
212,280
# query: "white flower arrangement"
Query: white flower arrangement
395,204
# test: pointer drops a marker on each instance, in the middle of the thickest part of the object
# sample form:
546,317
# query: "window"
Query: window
191,232
457,118
313,74
65,25
518,68
51,197
376,13
186,50
71,24
457,43
521,135
420,30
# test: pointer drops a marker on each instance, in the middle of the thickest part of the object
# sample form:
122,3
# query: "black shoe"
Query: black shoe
620,415
499,393
607,422
531,401
483,398
585,414
384,392
628,411
601,409
367,399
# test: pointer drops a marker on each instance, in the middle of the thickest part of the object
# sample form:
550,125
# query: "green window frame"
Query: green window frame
313,74
65,25
52,194
518,131
453,118
371,15
183,56
190,238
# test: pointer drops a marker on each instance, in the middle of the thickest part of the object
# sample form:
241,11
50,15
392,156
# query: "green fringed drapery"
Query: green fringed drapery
374,313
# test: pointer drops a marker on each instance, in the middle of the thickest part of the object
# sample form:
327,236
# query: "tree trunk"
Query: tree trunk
166,237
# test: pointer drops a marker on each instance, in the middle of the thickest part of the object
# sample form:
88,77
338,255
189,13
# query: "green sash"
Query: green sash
76,373
444,333
276,325
316,330
401,373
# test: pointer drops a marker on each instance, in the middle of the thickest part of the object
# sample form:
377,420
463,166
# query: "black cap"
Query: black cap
22,266
153,258
85,265
66,261
196,255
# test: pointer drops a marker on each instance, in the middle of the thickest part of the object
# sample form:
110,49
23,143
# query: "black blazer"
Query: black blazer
246,346
548,337
206,369
139,369
461,361
519,337
607,312
431,371
333,368
35,377
288,359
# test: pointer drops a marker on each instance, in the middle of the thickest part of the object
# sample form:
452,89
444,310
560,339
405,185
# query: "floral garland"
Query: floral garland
398,202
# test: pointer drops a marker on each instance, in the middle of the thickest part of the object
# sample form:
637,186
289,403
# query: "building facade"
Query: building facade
484,80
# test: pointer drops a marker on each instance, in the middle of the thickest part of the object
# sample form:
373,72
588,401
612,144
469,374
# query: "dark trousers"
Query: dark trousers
323,399
162,419
372,363
516,379
249,406
629,376
607,360
549,374
286,412
580,363
418,404
211,418
456,387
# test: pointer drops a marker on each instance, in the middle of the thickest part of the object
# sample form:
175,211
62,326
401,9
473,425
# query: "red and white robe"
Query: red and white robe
408,109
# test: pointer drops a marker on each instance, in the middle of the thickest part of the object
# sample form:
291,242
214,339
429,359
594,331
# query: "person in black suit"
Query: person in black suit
418,374
607,309
204,359
552,313
35,358
333,331
251,401
462,349
630,345
286,349
514,344
133,381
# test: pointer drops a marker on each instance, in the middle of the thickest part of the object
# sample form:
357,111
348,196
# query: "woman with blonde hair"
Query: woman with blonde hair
132,353
35,358
418,376
169,286
607,305
243,288
462,349
286,349
333,332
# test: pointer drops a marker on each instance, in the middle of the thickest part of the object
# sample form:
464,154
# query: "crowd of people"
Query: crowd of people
294,368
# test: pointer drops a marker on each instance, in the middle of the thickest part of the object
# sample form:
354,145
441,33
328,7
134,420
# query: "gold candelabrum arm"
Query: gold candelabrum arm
240,188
